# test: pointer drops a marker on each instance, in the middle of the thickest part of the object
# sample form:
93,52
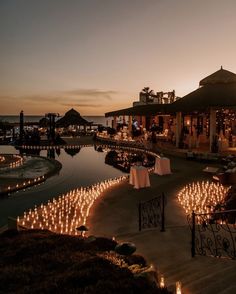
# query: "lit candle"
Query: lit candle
178,287
162,281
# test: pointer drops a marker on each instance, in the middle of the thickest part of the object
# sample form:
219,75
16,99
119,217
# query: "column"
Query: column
130,124
21,126
178,128
115,122
144,121
212,127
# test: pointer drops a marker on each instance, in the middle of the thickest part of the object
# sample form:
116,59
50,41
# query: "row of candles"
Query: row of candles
16,160
50,147
202,197
127,148
25,184
178,285
47,147
70,210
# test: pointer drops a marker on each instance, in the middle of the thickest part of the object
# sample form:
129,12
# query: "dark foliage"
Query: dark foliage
135,259
44,262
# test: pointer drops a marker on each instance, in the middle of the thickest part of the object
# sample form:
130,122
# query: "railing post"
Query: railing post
163,212
139,216
193,233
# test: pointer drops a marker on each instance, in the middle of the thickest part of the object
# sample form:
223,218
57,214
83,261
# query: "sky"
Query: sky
97,55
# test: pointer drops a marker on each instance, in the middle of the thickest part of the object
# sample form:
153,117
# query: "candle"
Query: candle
178,288
64,214
162,281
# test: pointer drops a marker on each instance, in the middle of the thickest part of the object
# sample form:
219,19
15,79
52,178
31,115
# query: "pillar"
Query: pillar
130,124
21,126
115,122
144,121
165,125
178,128
212,127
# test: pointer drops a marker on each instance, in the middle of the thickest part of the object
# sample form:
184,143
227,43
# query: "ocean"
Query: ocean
35,118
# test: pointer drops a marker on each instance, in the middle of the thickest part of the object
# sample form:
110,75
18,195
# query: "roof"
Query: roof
211,95
221,76
72,117
217,90
149,109
44,122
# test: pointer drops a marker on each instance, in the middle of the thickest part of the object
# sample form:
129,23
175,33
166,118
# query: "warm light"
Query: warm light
65,214
162,282
178,288
202,197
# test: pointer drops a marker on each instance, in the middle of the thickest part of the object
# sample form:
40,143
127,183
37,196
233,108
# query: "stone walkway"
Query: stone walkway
116,214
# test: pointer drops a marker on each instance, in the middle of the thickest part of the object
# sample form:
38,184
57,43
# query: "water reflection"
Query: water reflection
83,168
72,151
123,160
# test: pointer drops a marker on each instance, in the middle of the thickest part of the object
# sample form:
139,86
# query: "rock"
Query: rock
126,248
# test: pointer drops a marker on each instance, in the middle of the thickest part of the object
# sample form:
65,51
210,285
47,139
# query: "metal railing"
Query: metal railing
127,145
213,234
152,213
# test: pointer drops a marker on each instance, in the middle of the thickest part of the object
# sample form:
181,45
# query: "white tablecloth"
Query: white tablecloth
139,177
162,166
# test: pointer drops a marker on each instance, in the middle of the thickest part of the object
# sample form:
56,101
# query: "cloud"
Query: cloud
43,98
88,99
82,105
71,96
92,93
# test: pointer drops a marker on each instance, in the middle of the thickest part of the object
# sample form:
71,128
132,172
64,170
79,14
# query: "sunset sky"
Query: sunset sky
96,55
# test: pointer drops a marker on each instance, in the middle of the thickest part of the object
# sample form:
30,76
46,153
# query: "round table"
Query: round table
139,177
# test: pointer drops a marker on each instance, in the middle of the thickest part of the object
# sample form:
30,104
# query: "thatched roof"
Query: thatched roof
221,76
72,151
149,109
72,117
212,95
217,90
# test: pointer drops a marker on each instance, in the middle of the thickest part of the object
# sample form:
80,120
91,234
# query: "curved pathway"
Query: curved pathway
116,214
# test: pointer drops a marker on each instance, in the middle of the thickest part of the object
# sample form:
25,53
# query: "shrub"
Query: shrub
44,262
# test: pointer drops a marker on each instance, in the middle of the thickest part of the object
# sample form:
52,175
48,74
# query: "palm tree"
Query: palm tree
148,93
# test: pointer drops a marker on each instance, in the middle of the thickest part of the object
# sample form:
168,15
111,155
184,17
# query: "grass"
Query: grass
43,262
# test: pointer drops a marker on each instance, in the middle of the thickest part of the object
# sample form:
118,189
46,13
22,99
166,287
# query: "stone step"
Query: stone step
197,275
230,289
223,279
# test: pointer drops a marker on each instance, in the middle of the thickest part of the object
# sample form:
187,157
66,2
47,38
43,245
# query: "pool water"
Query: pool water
85,168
